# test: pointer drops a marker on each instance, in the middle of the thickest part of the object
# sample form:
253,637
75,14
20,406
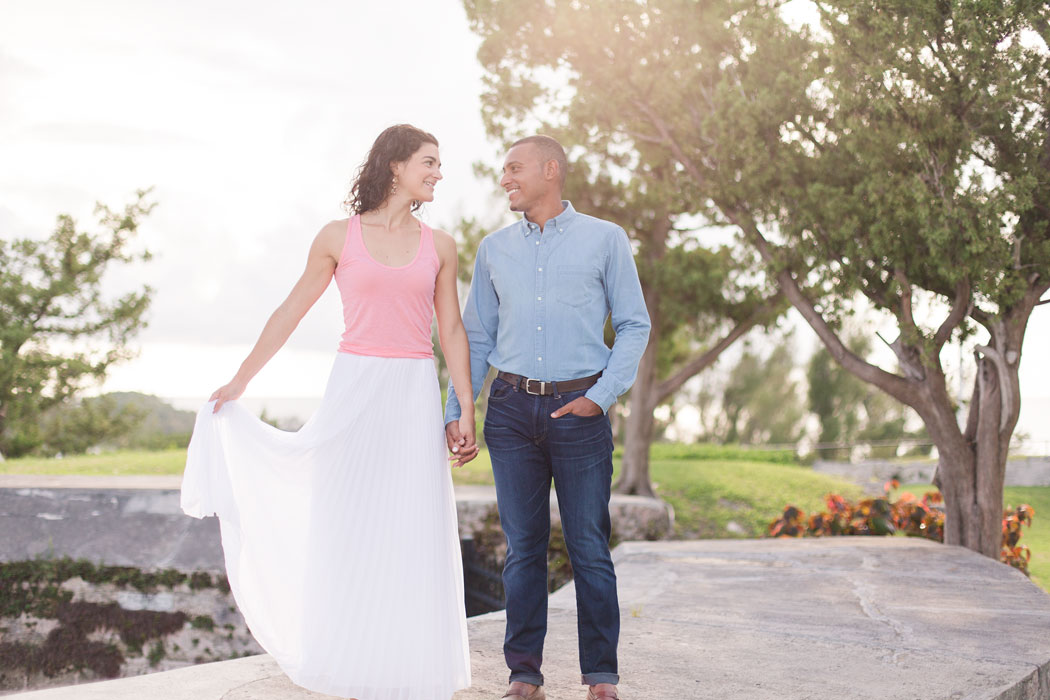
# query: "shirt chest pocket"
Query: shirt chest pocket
576,285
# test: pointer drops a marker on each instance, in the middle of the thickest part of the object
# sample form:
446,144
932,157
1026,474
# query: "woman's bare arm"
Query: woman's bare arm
454,344
320,265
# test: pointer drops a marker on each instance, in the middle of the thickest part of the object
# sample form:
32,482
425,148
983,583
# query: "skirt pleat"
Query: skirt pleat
341,540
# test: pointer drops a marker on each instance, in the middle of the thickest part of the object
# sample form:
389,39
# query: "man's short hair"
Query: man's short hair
550,149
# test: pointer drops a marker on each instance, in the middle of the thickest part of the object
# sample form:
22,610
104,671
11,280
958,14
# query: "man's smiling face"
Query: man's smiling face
523,177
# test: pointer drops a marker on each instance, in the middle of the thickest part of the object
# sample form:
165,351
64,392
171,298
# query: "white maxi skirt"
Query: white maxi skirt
341,540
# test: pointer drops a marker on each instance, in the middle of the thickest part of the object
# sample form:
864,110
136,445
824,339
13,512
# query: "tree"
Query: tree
76,426
902,156
852,411
700,298
921,183
761,403
57,331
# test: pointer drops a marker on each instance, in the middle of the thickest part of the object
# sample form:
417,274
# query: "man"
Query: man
542,290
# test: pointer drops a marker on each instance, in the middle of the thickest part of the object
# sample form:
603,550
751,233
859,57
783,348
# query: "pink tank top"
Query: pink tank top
387,310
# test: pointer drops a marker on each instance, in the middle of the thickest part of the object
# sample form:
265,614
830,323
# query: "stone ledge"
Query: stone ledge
136,520
859,618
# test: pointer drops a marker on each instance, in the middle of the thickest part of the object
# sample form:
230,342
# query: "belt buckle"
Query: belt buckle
543,385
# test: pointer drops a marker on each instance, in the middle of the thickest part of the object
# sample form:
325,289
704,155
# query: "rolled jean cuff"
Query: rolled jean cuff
530,678
596,678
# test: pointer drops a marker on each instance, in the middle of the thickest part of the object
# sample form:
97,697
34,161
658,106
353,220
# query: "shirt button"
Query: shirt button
539,328
539,298
561,229
540,359
537,242
540,269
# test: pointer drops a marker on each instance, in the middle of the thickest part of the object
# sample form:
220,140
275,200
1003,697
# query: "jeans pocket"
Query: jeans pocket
500,390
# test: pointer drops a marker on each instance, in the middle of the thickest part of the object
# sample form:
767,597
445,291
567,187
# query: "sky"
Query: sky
248,120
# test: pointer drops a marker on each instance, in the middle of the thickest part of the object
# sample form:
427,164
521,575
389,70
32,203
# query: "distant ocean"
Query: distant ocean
291,412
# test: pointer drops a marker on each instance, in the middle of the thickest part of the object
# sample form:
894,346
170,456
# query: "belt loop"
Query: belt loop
557,394
517,384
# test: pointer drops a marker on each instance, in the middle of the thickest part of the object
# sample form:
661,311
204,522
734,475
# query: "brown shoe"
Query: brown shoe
536,694
602,694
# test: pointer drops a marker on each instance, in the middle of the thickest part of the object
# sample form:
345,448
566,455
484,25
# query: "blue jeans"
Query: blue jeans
528,448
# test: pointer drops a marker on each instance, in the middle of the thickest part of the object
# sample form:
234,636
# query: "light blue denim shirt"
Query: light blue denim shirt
538,303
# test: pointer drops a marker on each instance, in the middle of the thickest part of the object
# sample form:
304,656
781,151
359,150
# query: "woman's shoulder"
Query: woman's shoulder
444,244
336,226
331,237
443,238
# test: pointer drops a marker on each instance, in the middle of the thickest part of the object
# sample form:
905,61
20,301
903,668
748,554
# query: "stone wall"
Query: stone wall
116,582
56,628
1020,471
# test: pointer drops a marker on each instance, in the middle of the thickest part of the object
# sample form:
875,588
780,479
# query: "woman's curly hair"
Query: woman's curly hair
371,185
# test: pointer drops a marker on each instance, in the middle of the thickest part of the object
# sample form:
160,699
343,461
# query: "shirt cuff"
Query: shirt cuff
604,398
452,408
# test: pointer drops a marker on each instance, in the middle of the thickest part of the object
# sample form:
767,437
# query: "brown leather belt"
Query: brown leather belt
542,388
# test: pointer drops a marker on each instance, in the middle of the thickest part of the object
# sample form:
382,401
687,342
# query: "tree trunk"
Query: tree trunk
971,468
638,434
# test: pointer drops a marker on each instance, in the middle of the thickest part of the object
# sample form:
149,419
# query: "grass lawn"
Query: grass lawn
1036,537
119,463
172,462
707,495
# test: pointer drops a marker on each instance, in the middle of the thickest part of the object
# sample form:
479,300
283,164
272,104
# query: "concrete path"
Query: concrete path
816,619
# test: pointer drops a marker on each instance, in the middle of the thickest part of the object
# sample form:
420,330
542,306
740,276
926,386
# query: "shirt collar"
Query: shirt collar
559,222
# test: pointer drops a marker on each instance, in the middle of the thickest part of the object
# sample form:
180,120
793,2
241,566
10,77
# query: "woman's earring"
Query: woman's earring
393,186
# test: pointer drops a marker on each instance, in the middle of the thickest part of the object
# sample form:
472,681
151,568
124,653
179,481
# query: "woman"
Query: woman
341,540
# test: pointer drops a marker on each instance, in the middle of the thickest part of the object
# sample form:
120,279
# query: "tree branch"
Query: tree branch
1005,387
896,386
907,317
975,405
644,138
960,309
704,360
665,133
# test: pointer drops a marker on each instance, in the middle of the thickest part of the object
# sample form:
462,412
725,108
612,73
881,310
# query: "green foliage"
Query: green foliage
76,426
203,622
162,426
850,410
903,157
32,586
705,451
696,291
156,653
50,294
761,403
709,495
923,167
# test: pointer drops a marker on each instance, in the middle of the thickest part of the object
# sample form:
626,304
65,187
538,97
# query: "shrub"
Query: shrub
908,515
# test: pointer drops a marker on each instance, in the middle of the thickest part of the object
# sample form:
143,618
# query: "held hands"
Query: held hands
461,440
581,406
230,392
